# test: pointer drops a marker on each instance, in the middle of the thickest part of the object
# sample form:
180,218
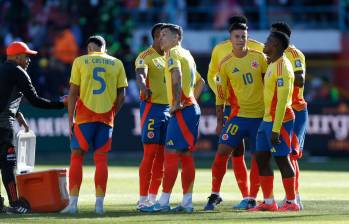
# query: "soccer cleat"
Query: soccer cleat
146,203
21,206
156,208
70,209
289,207
180,208
213,201
264,207
281,203
245,204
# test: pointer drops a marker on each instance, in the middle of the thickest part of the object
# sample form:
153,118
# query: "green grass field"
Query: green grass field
324,188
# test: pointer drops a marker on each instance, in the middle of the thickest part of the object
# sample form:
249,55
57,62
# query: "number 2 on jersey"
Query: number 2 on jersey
99,79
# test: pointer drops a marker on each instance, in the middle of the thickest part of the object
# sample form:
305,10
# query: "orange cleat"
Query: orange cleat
262,207
289,207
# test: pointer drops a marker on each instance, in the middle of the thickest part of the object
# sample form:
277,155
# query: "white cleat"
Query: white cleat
70,209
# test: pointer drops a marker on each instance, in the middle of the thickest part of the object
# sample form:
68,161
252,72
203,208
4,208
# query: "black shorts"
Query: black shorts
7,151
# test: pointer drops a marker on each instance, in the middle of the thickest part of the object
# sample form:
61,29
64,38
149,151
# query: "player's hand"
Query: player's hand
219,128
146,93
175,107
64,100
275,138
22,122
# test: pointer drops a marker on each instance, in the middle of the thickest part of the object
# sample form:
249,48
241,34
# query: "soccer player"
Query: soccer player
241,72
14,83
219,52
97,92
274,133
150,65
299,105
182,131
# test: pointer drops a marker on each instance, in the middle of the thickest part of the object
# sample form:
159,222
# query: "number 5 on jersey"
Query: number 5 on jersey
99,79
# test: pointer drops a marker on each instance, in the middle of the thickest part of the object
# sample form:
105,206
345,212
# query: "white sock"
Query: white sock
292,201
73,201
99,201
187,200
216,193
152,197
269,201
164,199
142,199
298,197
246,198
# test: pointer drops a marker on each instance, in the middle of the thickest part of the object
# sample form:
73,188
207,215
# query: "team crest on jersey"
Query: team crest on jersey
225,137
298,63
254,64
170,62
280,82
150,134
218,79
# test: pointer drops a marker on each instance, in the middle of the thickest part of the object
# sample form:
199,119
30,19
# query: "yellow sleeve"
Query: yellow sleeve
213,70
197,76
122,80
75,77
222,80
284,84
141,62
173,60
264,64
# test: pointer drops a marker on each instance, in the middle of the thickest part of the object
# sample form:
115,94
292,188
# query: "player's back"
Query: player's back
98,75
245,83
181,58
297,60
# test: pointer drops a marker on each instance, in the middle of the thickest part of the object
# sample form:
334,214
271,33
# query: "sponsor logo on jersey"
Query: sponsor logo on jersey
235,70
169,142
150,134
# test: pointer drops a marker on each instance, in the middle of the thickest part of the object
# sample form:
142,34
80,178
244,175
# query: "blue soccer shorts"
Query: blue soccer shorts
299,129
264,138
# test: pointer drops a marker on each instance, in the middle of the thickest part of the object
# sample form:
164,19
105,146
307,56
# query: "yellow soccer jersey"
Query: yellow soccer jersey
278,88
98,75
243,79
181,58
154,64
297,60
218,54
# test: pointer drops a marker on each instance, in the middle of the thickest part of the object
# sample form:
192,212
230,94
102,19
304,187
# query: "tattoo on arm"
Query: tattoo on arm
176,85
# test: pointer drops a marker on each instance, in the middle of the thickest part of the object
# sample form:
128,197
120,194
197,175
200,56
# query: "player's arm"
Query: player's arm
141,77
212,71
176,77
199,85
120,99
74,92
284,90
22,121
25,85
221,97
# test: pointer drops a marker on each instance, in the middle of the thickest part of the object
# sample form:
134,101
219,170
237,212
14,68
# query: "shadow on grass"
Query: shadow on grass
313,210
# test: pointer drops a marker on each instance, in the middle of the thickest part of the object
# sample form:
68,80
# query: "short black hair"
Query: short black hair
282,27
174,29
283,39
97,39
155,27
237,19
237,26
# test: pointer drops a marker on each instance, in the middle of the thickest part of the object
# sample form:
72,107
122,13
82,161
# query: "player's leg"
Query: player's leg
266,174
157,171
7,166
102,140
79,144
281,155
231,137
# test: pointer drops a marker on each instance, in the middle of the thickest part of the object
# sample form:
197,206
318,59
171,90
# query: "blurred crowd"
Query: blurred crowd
59,28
